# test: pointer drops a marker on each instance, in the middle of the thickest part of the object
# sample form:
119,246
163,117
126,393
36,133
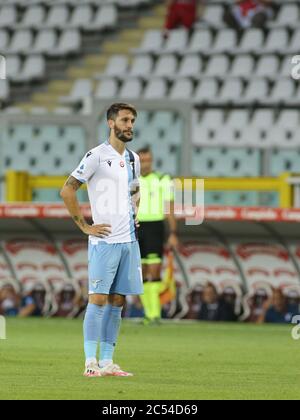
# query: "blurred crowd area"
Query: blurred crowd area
240,15
265,305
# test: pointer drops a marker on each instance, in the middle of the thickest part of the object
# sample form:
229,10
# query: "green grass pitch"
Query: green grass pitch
43,359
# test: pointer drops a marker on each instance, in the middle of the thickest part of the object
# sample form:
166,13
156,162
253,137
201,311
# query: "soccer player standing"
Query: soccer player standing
157,204
111,172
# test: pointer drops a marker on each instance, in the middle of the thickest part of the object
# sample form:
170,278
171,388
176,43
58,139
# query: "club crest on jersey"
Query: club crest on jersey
109,162
122,164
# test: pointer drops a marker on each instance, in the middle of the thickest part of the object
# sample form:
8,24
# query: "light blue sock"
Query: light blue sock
91,329
110,331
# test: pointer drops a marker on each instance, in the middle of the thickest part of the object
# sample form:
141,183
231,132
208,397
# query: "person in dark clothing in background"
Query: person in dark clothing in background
214,308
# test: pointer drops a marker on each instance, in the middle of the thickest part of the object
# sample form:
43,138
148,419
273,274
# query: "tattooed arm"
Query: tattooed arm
68,194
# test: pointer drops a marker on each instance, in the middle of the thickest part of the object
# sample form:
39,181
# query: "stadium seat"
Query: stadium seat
166,66
69,43
58,17
107,89
152,43
142,66
267,67
276,43
200,42
156,89
251,41
4,39
34,69
13,66
176,42
80,18
131,89
45,41
284,161
190,66
21,41
242,66
116,67
8,17
288,16
213,16
231,92
81,90
182,89
206,91
218,66
106,18
256,92
34,17
225,42
293,46
283,91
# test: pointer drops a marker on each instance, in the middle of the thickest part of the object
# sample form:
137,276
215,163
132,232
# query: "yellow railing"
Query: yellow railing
19,186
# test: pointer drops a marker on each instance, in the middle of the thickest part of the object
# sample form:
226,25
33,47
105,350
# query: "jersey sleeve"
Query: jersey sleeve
87,167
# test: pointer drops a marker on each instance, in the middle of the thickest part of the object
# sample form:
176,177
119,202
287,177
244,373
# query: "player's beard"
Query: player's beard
121,136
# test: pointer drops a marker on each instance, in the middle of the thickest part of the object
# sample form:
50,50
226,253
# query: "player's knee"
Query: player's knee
116,300
100,300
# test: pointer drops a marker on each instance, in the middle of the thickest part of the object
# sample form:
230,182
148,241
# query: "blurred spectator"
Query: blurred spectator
194,300
33,301
68,302
256,305
9,301
215,308
180,13
249,13
134,307
277,310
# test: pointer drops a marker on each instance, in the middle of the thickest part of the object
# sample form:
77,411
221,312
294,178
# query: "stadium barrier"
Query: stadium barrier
20,185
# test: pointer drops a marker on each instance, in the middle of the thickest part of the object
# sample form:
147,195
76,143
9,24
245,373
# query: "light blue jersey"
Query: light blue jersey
114,261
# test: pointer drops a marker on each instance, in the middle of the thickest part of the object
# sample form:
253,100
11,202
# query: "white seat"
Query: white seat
262,119
238,119
277,42
45,41
117,66
165,66
151,43
288,119
34,69
256,91
81,17
231,91
286,66
176,42
293,46
141,67
13,66
69,43
283,91
225,42
8,16
33,17
213,15
282,137
107,89
218,66
253,136
267,67
251,41
242,66
206,91
4,39
191,66
82,88
287,16
21,41
201,42
57,17
182,89
156,89
131,89
212,119
105,18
